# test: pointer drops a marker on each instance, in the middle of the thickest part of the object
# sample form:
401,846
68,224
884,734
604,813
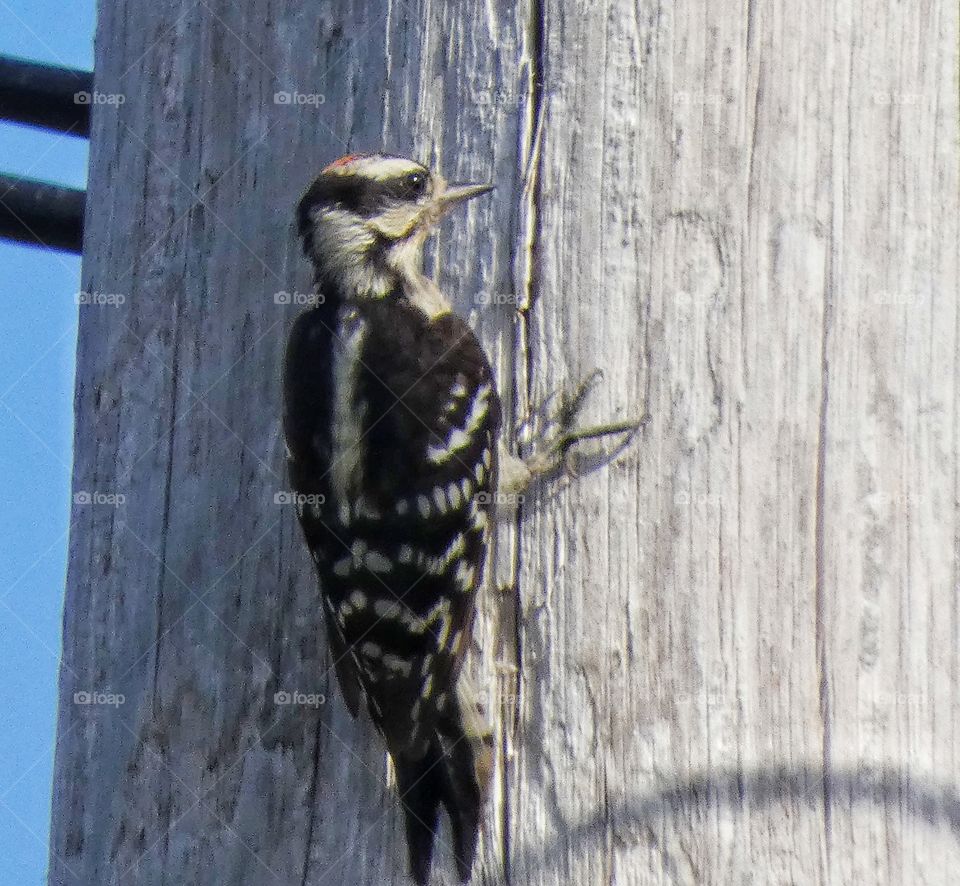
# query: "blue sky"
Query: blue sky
38,330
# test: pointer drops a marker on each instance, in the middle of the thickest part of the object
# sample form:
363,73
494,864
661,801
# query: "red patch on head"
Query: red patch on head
343,161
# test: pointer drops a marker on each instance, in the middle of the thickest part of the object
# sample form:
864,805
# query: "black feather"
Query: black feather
444,776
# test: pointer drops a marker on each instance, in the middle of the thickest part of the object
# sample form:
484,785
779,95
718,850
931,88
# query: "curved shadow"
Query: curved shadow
871,786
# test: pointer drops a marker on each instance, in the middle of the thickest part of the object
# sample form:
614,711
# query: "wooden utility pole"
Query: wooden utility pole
728,657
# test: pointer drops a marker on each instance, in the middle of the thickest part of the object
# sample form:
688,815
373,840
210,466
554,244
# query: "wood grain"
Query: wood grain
729,656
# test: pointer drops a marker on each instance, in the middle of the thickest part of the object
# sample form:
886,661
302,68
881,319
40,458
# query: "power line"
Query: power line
52,98
40,213
45,96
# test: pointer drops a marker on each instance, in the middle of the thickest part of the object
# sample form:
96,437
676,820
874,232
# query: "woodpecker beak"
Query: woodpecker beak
454,195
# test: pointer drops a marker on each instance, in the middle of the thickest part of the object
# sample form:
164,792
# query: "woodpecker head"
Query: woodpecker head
365,219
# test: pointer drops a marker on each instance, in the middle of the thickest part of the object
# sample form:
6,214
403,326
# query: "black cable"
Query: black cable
40,213
46,96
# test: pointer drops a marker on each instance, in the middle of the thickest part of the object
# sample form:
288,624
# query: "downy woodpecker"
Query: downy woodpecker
391,419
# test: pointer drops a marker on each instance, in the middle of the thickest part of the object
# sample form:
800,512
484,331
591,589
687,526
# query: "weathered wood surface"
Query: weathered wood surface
736,646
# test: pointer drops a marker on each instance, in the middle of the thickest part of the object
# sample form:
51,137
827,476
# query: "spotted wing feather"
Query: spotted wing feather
400,540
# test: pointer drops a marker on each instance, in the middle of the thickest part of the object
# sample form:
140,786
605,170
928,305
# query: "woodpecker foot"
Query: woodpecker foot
554,446
477,728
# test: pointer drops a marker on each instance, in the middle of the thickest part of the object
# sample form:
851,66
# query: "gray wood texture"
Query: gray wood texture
729,656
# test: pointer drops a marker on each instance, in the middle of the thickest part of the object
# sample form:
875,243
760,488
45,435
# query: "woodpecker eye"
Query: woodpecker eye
415,184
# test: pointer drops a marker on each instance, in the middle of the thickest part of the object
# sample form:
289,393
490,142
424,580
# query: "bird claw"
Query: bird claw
554,444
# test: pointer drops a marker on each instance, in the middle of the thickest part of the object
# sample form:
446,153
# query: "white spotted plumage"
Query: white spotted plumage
402,530
377,562
461,437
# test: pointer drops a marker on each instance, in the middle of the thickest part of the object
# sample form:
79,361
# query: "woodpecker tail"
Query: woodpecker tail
454,773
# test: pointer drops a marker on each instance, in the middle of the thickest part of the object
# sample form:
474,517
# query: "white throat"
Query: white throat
342,245
406,258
